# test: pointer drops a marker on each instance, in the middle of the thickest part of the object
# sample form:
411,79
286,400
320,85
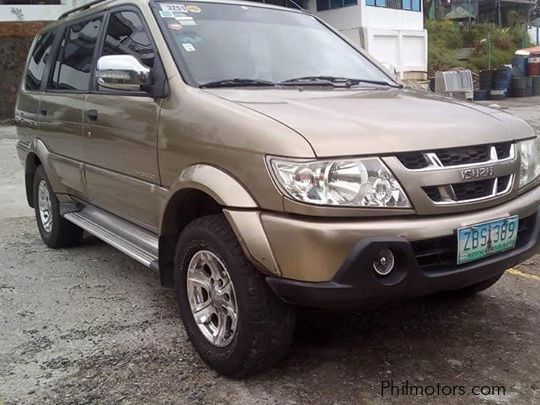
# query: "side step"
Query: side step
139,244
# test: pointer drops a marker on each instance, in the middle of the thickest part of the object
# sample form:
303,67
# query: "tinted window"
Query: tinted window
74,63
126,35
38,61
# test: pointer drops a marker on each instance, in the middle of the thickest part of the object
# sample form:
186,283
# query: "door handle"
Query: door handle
92,115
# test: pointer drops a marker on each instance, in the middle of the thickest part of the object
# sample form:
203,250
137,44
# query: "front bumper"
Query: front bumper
328,261
356,284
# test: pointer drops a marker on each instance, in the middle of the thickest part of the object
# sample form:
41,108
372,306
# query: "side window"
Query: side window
126,35
38,61
73,66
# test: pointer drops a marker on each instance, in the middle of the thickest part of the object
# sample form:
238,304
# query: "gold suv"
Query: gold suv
259,161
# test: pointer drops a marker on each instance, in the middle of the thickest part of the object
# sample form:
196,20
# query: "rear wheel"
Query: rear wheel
235,322
55,231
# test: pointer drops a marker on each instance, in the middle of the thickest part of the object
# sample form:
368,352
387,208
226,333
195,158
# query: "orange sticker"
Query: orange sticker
193,9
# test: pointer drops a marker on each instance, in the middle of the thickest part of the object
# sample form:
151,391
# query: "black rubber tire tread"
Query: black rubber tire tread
474,289
265,323
64,233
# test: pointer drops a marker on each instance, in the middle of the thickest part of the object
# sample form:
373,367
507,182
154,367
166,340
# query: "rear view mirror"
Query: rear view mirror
391,70
122,72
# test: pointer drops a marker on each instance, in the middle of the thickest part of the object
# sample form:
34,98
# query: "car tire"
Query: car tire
55,231
261,335
475,288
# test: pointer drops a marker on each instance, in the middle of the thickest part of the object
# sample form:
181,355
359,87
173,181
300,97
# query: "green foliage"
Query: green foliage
446,37
502,42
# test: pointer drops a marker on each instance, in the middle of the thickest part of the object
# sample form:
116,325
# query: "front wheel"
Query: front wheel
235,322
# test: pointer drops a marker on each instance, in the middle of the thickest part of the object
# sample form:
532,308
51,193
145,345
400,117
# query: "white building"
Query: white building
390,30
21,10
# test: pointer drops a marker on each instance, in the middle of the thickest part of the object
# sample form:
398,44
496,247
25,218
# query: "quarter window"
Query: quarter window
38,61
73,66
126,35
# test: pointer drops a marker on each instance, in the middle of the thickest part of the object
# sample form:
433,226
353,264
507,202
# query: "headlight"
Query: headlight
530,161
347,182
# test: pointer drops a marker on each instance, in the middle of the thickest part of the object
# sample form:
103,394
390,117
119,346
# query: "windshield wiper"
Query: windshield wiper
333,81
238,83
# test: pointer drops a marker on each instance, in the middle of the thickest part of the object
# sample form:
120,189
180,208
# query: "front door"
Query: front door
120,149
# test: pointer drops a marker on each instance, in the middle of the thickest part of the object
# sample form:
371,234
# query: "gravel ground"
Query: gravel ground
89,325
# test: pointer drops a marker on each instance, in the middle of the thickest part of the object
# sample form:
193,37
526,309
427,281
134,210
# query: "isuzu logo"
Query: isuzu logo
477,173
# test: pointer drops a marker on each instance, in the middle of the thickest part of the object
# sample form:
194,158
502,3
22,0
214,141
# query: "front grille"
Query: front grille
413,160
463,156
440,254
472,190
455,156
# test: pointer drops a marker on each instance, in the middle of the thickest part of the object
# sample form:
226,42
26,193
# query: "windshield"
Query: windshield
222,42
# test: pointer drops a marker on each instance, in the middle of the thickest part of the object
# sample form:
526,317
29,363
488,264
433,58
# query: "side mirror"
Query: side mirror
122,72
391,70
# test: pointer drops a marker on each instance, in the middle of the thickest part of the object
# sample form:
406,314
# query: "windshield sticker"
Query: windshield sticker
193,9
189,47
166,14
186,21
174,7
176,27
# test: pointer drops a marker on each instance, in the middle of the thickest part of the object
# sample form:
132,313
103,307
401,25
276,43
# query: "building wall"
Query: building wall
391,36
32,12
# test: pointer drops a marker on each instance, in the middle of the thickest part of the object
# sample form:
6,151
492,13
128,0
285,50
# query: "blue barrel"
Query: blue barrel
520,64
502,79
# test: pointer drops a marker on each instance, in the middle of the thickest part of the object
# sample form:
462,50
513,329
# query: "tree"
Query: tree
534,13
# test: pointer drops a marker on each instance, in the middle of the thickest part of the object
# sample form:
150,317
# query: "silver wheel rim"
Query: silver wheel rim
212,298
45,206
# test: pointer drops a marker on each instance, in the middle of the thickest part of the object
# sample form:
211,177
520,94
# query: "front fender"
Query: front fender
221,186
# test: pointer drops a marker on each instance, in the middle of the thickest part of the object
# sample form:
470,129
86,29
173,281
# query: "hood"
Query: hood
379,121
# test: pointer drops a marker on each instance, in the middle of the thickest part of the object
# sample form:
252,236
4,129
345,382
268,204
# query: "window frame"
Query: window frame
420,4
158,64
330,8
62,31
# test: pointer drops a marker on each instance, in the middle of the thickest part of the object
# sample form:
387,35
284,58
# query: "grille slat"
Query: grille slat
471,190
455,156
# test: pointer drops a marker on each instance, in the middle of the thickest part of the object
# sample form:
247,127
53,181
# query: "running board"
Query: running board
139,244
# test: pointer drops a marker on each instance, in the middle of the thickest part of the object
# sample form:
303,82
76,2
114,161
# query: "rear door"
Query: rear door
62,103
27,113
121,145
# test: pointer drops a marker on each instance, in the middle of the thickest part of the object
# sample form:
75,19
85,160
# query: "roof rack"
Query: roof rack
80,8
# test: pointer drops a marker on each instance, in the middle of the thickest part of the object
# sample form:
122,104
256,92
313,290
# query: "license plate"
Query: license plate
488,238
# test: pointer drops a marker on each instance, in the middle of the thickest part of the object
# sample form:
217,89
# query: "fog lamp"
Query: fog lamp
384,262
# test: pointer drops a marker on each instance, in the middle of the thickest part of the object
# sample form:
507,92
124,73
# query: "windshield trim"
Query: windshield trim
184,69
